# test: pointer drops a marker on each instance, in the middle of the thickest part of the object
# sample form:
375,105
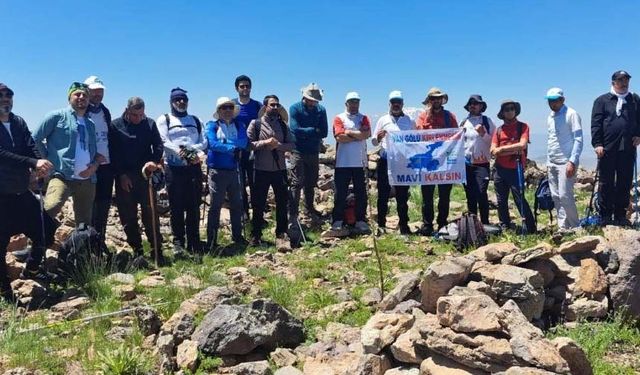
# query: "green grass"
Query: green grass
604,341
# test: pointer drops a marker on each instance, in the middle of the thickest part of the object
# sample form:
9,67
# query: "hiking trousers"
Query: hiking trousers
127,203
304,176
476,190
185,192
444,199
562,194
616,177
506,180
82,192
341,179
277,180
104,194
384,191
222,182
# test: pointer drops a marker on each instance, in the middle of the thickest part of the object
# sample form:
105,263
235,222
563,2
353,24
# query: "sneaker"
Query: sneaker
362,227
425,230
337,225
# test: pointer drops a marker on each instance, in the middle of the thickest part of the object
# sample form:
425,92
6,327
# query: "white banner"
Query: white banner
426,157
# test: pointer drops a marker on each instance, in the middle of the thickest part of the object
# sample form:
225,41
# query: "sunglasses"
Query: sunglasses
274,105
227,107
6,95
396,101
508,109
474,103
181,100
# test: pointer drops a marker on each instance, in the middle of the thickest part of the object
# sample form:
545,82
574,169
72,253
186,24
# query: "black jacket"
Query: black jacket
131,146
614,132
17,156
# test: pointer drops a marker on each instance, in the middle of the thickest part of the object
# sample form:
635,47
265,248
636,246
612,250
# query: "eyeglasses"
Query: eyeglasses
7,95
227,107
274,105
509,109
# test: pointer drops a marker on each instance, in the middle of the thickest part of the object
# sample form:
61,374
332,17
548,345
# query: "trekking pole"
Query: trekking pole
635,192
154,224
242,189
520,172
375,232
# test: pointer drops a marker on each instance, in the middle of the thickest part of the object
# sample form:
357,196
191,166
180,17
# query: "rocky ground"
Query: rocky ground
537,305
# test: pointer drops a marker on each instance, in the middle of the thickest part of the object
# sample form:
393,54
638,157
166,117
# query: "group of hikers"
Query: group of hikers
83,153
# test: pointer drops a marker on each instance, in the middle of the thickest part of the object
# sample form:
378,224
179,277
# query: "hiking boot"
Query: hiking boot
622,222
139,262
179,252
283,243
38,275
337,230
255,241
405,230
425,230
362,227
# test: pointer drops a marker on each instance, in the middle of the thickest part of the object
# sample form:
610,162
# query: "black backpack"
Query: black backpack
82,248
470,232
543,200
197,120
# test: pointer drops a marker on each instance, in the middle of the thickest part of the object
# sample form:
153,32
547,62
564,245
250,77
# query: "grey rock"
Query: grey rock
122,278
239,329
580,245
583,308
407,282
148,320
539,353
406,306
29,293
288,370
371,297
540,251
166,345
372,364
248,368
119,333
494,252
476,313
403,371
439,365
382,329
442,276
574,355
624,285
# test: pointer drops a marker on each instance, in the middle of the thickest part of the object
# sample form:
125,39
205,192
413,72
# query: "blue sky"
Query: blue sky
500,49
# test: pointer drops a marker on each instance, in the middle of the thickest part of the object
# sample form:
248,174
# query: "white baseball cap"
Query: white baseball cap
94,83
395,94
554,93
352,96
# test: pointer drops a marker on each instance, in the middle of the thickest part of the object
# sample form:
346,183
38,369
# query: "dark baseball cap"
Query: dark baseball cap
4,87
620,74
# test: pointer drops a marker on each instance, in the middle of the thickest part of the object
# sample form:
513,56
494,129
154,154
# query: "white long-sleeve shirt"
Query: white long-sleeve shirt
390,123
565,136
477,149
181,131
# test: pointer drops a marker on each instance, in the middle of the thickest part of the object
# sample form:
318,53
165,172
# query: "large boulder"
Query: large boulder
591,281
624,285
382,329
239,329
524,286
574,355
477,313
540,353
442,276
404,348
407,283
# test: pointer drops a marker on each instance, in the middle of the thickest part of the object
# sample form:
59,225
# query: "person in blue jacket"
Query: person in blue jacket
226,138
308,123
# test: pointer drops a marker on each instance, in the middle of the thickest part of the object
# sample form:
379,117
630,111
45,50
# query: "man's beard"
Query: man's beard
5,109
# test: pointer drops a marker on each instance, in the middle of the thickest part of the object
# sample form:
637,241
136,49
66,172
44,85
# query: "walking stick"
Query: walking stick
520,172
242,189
635,192
154,224
376,231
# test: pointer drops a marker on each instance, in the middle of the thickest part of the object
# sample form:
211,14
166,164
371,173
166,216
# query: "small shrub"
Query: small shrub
123,361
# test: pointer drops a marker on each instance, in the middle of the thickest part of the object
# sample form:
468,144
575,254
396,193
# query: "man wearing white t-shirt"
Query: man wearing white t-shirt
101,117
351,130
70,137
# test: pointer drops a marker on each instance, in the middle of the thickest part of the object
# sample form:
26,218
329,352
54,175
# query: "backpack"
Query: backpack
485,123
197,120
542,199
470,232
82,249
